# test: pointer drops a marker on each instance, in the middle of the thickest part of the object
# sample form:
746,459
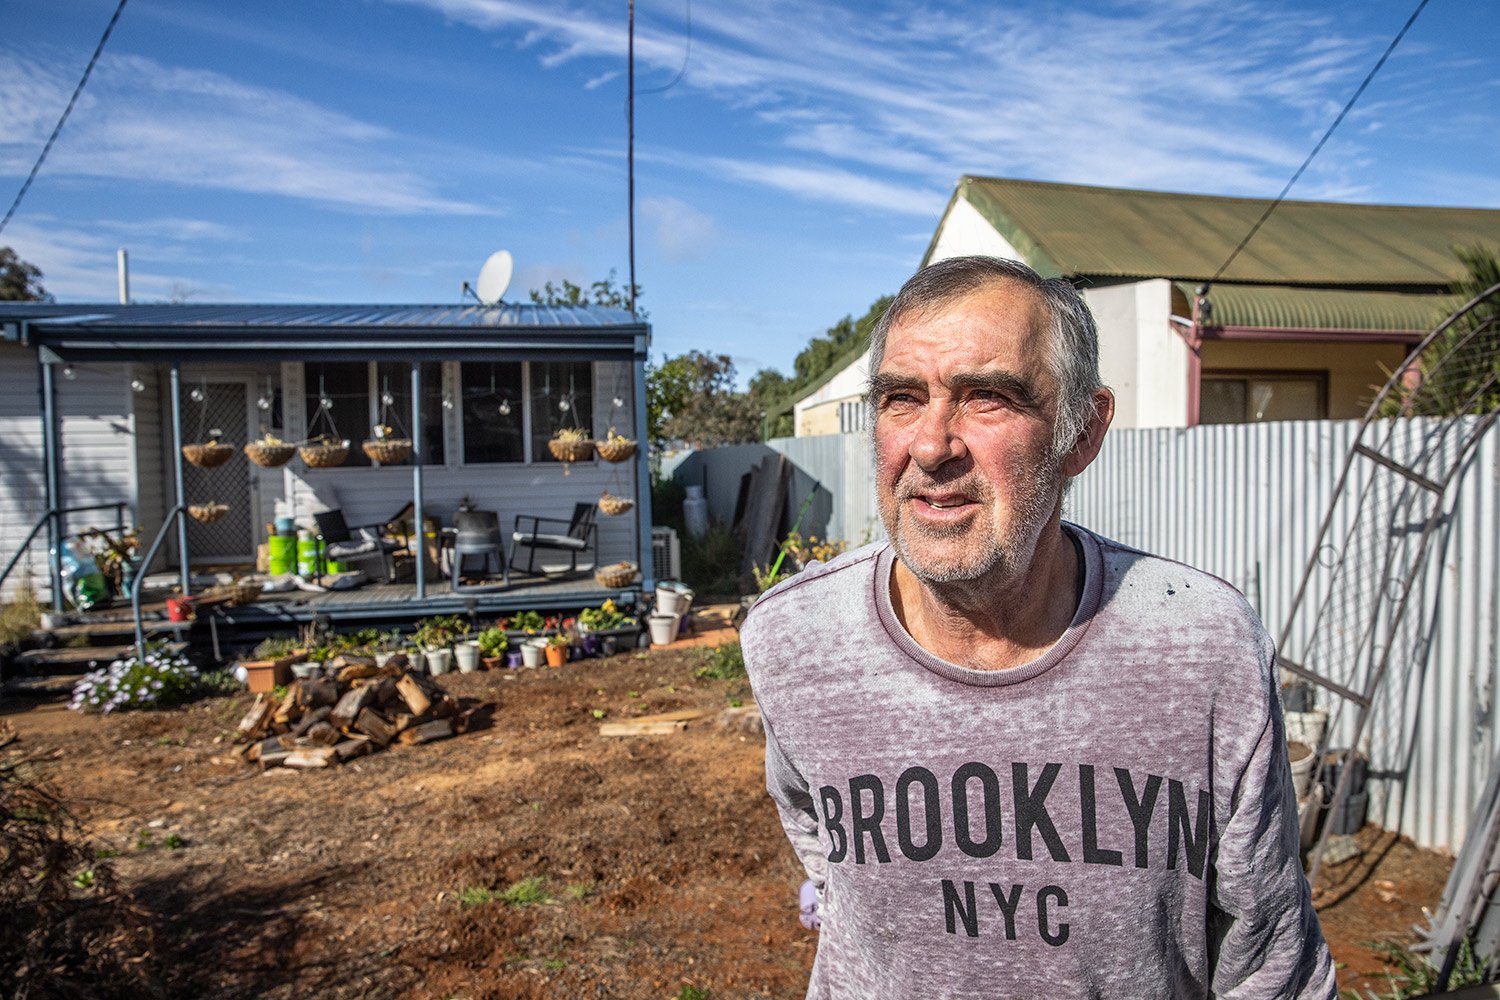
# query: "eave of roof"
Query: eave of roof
1075,230
1272,307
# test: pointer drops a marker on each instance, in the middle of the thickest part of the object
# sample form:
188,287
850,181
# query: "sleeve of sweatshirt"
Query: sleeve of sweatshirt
795,806
1268,942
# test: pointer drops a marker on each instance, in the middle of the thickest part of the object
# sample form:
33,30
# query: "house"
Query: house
1305,323
94,400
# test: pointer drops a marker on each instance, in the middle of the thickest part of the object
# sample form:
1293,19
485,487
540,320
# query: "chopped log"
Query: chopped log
316,757
405,720
323,734
350,705
254,751
358,746
437,729
276,759
385,691
651,725
308,720
445,707
475,717
291,706
411,692
375,726
316,694
356,668
258,719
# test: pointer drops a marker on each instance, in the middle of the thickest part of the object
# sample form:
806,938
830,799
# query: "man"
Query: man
1015,758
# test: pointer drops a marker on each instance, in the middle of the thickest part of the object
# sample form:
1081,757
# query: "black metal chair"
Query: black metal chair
579,534
361,543
477,533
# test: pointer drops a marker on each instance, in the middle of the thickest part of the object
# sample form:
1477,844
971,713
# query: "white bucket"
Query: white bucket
668,600
531,652
663,628
1307,727
1303,759
438,661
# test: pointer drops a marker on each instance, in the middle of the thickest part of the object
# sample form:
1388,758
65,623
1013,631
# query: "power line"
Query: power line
66,111
686,54
1347,107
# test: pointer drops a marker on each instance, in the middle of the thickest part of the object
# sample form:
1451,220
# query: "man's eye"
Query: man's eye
898,399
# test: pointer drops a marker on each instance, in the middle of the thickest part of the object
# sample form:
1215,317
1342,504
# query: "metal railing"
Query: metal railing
55,515
175,515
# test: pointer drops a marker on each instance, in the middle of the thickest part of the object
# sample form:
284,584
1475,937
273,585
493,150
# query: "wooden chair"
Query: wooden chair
579,534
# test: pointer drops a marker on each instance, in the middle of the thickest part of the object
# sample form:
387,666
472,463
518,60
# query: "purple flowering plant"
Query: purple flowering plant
153,680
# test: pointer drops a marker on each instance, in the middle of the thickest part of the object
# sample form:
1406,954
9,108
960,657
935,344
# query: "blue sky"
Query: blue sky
379,150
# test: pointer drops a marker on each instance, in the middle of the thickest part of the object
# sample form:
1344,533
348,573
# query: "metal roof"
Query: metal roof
1327,309
323,332
1069,229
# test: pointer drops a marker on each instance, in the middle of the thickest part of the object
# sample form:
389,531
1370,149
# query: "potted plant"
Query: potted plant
557,650
492,642
436,636
524,625
466,655
270,663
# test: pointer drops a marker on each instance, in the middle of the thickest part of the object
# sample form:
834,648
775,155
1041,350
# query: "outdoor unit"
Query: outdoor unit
666,553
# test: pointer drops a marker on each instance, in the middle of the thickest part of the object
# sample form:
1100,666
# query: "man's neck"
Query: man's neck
995,624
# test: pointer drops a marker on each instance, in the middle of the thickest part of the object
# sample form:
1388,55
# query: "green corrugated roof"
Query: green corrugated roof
1285,307
1115,232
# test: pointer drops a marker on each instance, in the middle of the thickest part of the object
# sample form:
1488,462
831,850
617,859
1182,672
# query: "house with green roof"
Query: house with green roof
1305,323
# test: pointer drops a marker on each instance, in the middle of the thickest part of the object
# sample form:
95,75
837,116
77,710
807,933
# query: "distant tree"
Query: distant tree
601,293
1459,372
692,398
20,281
774,394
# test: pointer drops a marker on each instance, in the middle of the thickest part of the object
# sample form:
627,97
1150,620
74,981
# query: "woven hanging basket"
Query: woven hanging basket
571,451
323,454
388,451
613,505
615,449
208,513
244,592
621,574
270,456
208,454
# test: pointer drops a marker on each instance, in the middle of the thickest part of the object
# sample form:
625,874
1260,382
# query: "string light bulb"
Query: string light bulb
619,403
505,407
69,372
196,395
263,403
386,399
447,402
564,405
136,385
325,402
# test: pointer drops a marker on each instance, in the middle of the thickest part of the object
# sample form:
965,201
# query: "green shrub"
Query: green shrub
155,680
723,663
19,617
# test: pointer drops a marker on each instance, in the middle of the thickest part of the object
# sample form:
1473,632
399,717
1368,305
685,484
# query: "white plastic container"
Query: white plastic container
663,628
695,512
1303,758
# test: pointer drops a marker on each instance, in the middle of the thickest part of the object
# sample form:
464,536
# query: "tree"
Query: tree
601,293
692,398
20,281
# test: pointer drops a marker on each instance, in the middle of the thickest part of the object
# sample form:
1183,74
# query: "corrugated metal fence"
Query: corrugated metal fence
1245,503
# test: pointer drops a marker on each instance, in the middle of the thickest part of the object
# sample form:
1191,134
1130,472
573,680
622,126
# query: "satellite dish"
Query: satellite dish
494,277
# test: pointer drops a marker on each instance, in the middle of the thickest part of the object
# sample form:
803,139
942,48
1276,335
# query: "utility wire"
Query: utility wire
66,111
1347,108
687,53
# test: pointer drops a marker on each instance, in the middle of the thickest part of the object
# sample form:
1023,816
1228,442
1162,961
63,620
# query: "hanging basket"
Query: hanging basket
571,451
208,454
616,449
388,451
208,513
268,455
613,505
324,453
620,574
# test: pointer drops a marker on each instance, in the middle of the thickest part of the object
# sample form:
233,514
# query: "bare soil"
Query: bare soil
661,860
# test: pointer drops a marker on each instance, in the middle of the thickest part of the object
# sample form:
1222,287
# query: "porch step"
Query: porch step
35,661
96,631
48,686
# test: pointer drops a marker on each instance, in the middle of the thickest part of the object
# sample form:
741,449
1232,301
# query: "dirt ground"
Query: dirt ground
664,869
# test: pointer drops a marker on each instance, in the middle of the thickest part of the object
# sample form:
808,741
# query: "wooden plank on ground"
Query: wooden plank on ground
651,725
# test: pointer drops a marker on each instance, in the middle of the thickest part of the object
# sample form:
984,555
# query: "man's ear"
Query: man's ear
1086,448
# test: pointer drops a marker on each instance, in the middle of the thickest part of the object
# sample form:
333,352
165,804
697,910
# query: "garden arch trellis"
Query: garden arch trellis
1363,580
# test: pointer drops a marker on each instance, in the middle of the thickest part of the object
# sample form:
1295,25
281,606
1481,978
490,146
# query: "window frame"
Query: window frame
1317,376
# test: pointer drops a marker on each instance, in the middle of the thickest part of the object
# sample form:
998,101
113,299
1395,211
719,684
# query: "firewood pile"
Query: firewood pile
352,709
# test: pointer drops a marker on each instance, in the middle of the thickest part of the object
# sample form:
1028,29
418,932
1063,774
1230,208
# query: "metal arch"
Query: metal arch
1423,481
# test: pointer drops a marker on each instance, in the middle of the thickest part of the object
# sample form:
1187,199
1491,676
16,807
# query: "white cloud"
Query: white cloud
141,120
80,265
682,232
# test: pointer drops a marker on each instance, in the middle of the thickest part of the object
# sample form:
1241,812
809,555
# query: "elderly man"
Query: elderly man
1015,758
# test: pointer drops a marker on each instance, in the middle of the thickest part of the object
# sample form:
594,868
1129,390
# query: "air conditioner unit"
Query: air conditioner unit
666,553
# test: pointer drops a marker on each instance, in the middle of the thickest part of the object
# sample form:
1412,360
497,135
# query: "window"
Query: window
1255,397
562,395
492,411
394,378
338,403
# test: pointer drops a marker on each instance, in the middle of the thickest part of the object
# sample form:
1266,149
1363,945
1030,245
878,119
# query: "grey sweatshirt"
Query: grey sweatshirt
1113,819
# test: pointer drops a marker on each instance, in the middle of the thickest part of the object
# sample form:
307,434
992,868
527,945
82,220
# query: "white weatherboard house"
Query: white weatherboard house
1306,323
87,415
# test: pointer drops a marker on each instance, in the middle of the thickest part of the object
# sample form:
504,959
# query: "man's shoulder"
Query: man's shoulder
811,594
1144,582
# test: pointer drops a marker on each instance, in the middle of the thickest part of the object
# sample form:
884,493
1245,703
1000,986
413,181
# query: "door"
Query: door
222,407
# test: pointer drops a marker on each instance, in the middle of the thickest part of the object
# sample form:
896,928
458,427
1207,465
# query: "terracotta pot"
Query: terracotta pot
492,662
556,655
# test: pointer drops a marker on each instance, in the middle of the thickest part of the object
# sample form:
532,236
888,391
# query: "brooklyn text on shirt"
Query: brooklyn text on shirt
862,824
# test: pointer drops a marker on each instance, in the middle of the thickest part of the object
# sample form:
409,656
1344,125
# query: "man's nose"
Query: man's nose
936,440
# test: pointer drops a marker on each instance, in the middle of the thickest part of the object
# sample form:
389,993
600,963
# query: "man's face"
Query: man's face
964,407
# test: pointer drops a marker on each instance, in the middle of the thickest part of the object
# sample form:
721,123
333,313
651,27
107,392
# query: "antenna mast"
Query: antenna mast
630,147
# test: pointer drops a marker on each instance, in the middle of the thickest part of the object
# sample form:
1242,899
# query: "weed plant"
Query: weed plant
20,616
1412,976
723,663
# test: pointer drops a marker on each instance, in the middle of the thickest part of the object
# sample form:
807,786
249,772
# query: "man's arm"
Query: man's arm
795,806
1267,940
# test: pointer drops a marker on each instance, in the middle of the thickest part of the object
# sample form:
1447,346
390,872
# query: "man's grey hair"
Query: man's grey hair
1073,344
